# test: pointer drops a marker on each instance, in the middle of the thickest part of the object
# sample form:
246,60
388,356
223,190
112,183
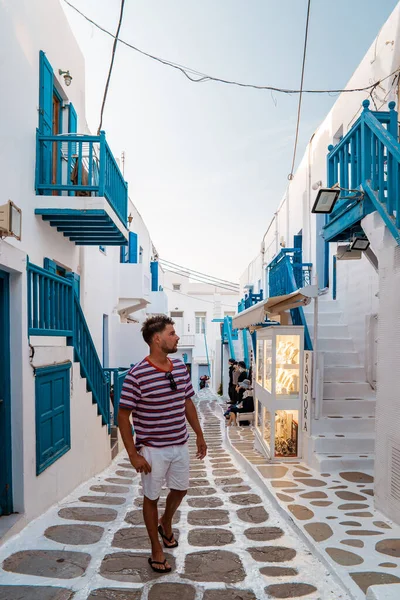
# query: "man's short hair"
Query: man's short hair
155,324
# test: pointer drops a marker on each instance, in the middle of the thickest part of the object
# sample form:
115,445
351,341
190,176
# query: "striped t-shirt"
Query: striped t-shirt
158,412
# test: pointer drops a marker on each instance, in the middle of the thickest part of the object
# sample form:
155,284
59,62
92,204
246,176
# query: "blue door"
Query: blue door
5,408
322,261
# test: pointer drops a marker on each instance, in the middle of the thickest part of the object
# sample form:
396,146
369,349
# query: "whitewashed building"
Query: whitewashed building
357,344
72,292
197,310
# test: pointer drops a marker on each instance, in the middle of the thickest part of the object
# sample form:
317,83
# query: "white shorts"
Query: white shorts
169,465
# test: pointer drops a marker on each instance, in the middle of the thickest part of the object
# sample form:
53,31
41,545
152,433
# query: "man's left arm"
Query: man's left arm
192,417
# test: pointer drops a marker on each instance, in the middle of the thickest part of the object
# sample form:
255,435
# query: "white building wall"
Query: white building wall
357,282
25,30
195,298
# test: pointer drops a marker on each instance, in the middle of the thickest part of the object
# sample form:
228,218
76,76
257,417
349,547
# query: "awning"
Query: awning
128,306
274,307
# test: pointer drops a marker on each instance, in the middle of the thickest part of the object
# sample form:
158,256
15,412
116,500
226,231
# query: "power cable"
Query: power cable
194,275
111,65
198,279
303,66
199,299
168,262
214,285
202,77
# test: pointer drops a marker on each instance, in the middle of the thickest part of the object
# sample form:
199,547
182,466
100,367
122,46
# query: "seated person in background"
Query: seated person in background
245,404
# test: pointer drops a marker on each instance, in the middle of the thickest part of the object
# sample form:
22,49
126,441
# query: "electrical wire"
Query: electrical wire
199,299
168,262
195,278
202,77
303,66
186,273
121,14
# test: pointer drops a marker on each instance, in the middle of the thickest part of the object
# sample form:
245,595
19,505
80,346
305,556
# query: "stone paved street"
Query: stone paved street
334,511
233,544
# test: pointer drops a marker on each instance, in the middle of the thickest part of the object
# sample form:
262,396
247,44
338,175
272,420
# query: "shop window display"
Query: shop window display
286,433
278,388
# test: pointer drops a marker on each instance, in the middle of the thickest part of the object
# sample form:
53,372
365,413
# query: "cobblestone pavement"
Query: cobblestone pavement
233,545
335,511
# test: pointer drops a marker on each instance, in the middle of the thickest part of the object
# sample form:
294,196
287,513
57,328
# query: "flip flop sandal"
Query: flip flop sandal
167,539
157,569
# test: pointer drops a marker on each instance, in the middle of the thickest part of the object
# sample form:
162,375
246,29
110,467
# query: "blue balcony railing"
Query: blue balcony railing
286,274
366,165
80,165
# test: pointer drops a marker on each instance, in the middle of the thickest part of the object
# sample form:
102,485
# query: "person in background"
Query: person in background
231,388
245,404
241,377
235,377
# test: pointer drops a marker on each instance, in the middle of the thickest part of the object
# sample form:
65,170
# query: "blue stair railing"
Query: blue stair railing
91,367
286,274
54,309
366,165
116,378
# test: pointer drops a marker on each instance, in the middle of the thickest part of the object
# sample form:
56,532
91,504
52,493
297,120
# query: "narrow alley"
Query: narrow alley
233,544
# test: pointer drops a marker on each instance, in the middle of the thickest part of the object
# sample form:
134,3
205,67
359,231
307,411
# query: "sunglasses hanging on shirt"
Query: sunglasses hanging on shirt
171,379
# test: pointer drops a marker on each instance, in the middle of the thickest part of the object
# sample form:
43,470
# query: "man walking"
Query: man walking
158,391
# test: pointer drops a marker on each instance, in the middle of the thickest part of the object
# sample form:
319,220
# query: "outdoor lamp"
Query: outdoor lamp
67,76
10,220
360,243
325,201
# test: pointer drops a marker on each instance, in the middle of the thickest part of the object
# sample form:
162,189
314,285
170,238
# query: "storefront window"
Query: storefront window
286,433
267,426
287,365
268,364
260,361
259,415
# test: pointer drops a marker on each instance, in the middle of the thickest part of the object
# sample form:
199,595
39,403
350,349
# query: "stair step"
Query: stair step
344,425
342,374
325,318
353,389
331,331
324,306
339,359
335,345
349,444
359,407
331,463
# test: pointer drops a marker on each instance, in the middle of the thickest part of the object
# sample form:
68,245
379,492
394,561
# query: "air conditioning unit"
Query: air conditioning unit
10,220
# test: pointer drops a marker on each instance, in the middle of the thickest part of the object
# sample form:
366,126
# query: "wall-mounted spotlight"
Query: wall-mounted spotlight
325,201
360,243
67,76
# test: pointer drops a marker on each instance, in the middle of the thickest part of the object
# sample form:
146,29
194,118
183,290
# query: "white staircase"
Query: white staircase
344,436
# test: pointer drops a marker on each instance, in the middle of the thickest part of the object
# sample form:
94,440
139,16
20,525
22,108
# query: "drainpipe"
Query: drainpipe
82,274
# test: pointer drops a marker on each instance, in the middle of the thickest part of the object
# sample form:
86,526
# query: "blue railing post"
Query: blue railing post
393,127
103,158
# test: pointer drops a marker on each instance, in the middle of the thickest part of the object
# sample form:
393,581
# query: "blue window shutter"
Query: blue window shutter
133,247
52,399
72,124
76,282
72,119
45,115
50,265
154,276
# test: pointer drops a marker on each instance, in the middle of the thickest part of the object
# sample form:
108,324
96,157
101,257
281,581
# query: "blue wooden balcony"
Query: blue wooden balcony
366,166
82,190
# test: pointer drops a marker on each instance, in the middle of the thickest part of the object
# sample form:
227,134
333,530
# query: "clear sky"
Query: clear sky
207,163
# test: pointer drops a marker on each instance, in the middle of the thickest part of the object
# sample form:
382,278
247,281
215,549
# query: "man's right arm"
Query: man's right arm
141,465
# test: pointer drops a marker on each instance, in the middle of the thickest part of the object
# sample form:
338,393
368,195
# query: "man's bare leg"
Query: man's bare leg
150,515
172,504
